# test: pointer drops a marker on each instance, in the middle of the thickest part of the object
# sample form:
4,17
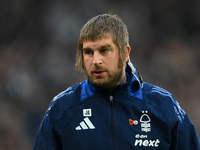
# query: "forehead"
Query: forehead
103,40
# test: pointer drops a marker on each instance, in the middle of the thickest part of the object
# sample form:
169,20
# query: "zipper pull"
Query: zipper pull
111,98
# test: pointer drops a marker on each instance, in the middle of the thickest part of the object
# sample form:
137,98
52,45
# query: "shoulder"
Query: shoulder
68,97
157,93
60,104
163,102
72,96
65,99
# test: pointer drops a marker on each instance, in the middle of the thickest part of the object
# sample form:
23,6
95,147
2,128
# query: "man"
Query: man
113,108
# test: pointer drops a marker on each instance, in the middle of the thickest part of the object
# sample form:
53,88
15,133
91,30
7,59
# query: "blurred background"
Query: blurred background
38,41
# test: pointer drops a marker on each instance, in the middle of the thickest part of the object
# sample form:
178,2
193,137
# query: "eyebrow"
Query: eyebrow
99,48
105,46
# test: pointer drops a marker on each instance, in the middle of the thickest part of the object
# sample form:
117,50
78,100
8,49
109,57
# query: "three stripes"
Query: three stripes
86,124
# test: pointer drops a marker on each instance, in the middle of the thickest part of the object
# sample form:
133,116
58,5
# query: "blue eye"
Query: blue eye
88,52
104,51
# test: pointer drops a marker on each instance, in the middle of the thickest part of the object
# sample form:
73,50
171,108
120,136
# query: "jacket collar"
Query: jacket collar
134,84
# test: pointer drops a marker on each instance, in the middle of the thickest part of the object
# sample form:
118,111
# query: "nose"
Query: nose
96,59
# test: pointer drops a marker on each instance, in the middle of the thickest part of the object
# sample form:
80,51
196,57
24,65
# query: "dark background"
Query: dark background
38,41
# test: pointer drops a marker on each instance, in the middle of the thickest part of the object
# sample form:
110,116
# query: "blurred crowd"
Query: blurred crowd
38,42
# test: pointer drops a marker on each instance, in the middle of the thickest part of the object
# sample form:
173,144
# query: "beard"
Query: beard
107,81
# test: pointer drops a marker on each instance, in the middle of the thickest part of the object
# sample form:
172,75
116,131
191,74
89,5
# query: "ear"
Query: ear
128,49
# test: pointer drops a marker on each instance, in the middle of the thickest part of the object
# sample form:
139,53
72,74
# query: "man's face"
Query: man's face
101,58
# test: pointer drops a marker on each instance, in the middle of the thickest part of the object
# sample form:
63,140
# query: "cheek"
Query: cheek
87,64
113,64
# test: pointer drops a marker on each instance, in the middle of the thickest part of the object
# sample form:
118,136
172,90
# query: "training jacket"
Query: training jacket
132,116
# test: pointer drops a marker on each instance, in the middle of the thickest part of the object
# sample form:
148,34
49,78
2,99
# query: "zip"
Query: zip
112,122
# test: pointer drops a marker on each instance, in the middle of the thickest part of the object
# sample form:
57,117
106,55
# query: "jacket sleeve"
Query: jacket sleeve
184,135
47,139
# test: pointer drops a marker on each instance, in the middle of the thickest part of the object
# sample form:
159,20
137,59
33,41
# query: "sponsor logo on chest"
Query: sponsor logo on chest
142,140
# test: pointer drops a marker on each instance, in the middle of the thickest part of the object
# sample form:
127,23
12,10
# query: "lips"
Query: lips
98,73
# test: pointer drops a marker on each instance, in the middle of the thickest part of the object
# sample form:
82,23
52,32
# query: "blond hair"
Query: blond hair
98,27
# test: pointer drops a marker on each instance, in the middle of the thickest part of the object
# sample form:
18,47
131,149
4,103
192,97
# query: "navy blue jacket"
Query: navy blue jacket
132,116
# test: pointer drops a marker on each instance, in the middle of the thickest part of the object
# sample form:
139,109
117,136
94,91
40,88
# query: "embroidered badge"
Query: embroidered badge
87,112
145,122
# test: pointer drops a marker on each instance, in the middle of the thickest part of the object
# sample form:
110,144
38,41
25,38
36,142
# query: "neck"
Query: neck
124,78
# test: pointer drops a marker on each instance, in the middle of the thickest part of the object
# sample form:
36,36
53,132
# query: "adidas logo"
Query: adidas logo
86,124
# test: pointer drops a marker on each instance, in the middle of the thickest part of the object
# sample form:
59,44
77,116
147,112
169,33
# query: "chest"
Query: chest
115,123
